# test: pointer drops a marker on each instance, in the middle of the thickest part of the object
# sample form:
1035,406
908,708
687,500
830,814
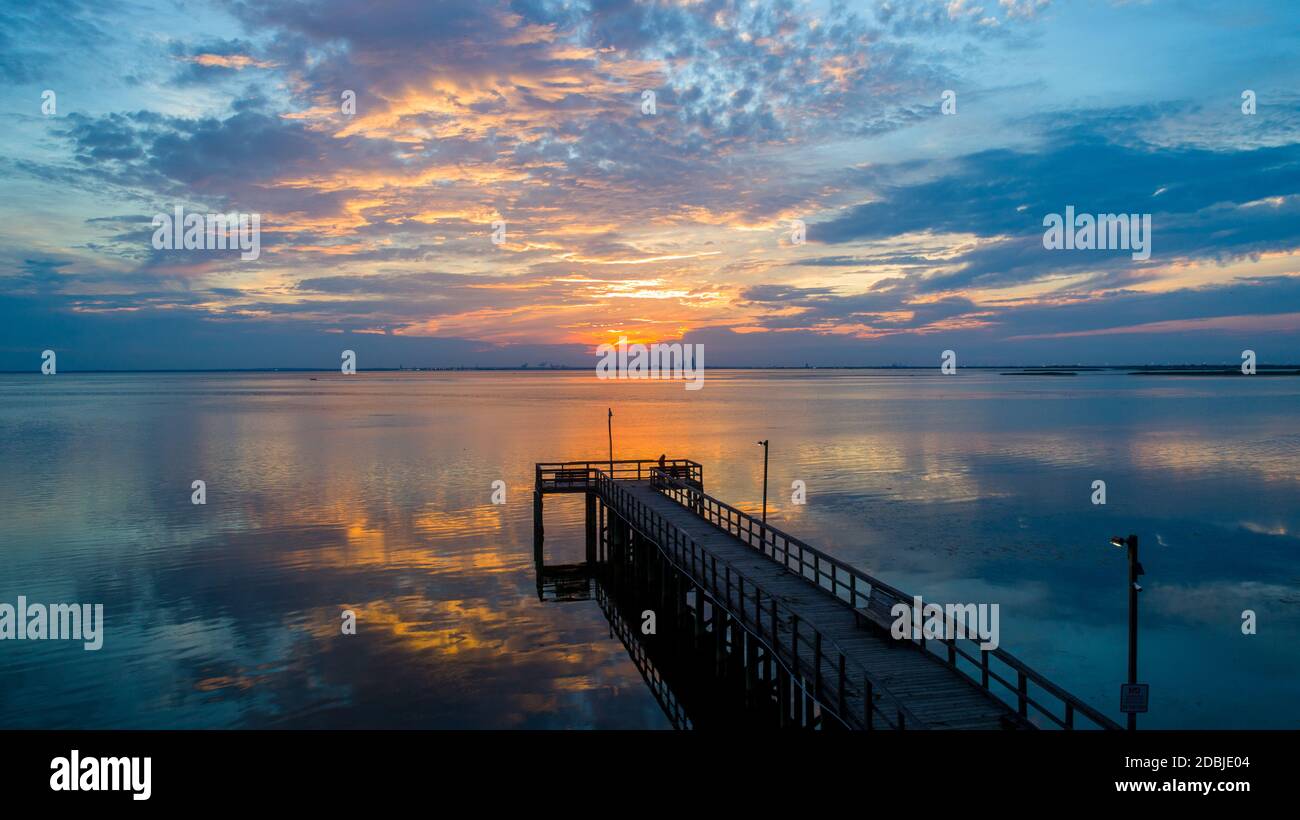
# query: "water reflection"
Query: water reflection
372,493
694,671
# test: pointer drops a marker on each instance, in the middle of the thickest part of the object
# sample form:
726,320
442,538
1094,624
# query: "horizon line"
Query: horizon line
1231,366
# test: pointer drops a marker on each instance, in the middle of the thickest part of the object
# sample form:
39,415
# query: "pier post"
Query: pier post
591,526
642,565
602,535
699,618
719,641
538,530
619,531
783,696
680,606
663,583
751,667
808,706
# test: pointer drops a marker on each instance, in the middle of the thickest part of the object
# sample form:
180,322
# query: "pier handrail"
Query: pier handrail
877,600
567,473
715,576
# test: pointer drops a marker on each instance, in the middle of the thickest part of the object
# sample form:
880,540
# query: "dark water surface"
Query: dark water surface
373,493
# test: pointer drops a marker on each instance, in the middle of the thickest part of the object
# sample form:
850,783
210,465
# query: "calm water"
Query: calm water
373,493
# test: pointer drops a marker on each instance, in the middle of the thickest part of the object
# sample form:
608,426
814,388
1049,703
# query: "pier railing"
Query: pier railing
995,670
576,476
826,671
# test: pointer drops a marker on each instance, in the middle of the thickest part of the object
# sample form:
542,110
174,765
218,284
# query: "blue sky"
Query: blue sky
923,229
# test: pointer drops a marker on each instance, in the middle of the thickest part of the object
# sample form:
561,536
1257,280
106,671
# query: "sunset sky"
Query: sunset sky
923,230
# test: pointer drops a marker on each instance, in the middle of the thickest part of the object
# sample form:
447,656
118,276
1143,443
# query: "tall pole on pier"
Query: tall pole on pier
764,443
610,422
1134,570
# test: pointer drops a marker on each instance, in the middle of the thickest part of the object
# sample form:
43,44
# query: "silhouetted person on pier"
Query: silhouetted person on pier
662,459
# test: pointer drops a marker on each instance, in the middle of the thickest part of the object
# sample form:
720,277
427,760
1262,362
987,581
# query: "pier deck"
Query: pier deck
939,696
821,623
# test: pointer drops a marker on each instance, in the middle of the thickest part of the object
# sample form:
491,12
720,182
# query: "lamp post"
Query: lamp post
1134,570
764,443
610,422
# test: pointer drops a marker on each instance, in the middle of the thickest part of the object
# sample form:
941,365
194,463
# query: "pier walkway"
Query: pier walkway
800,628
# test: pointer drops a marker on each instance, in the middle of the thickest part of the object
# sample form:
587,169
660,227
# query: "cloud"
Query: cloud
35,38
528,115
1205,204
215,60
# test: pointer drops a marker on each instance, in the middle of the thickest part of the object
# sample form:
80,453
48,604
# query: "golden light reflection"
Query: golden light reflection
1210,454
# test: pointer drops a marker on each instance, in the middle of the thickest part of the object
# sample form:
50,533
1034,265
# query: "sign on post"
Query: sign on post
1133,697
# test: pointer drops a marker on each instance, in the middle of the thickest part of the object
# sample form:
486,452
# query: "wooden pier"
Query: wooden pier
797,633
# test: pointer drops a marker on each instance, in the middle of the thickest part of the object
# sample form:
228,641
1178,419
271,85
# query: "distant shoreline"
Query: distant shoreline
1004,369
